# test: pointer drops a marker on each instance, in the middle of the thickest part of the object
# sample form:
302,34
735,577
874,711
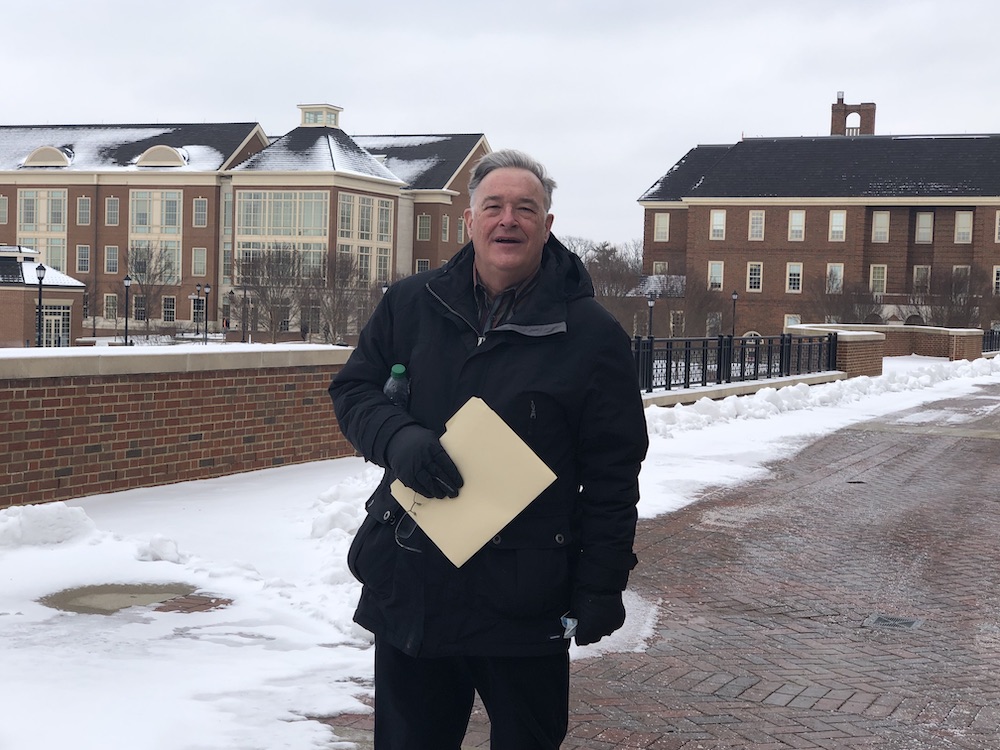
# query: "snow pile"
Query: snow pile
32,525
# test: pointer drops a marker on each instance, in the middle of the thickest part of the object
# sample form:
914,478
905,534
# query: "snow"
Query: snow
52,276
274,542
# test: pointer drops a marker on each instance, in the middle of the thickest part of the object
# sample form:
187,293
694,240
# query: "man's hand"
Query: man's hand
417,457
598,615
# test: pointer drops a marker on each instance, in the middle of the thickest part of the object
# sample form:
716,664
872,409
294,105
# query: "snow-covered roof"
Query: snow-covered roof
423,162
313,149
52,277
200,146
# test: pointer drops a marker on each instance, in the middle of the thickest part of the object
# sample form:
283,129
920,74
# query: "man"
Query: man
511,319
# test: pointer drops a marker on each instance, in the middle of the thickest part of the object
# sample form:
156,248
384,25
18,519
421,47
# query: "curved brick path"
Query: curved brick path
850,600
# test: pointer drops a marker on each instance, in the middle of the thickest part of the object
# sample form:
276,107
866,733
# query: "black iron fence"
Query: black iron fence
684,363
991,341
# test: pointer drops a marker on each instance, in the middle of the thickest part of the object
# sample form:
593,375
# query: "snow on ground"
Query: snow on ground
274,542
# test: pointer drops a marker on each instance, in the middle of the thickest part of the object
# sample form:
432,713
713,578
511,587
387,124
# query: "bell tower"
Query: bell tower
840,112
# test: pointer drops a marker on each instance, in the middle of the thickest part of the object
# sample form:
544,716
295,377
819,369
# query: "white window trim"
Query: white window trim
843,228
419,233
916,228
876,229
996,281
915,269
661,227
829,268
712,233
960,232
750,289
788,277
722,275
792,228
763,219
871,277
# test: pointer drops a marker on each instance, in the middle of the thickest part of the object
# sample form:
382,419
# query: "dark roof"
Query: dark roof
314,149
423,162
839,166
95,147
685,174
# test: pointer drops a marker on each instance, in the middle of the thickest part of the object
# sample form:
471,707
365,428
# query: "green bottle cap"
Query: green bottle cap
398,372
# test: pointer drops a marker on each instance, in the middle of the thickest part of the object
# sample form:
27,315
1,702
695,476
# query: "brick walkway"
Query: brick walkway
850,600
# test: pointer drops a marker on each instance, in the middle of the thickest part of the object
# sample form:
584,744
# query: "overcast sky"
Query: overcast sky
609,94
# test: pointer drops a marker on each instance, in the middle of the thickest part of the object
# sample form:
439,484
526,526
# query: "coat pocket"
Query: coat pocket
525,573
372,554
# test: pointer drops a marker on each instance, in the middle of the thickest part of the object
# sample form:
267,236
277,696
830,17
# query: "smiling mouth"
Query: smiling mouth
507,240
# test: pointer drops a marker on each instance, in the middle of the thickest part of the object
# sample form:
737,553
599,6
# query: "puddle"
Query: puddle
114,597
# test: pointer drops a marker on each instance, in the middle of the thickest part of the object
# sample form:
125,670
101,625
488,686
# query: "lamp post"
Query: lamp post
735,297
208,288
232,301
40,271
243,315
197,321
650,300
127,281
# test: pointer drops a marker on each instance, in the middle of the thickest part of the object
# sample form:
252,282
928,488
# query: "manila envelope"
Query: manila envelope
502,476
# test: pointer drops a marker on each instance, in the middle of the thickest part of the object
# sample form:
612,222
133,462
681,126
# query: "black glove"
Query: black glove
597,615
421,463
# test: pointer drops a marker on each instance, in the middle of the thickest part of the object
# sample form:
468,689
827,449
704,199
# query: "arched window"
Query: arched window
162,156
49,156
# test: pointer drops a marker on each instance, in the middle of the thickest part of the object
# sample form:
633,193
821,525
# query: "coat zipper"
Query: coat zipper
480,338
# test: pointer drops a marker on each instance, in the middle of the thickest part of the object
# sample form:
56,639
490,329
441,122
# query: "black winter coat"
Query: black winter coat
560,372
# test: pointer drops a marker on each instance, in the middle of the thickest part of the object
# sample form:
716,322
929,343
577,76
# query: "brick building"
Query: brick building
184,209
20,290
850,228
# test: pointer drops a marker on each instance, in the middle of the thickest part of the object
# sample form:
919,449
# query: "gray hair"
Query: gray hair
510,159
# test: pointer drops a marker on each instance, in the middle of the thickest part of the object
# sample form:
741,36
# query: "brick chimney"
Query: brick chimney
840,111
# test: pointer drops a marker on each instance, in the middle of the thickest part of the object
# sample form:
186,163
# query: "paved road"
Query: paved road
849,600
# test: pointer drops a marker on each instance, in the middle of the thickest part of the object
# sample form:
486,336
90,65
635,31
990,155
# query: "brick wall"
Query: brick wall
93,423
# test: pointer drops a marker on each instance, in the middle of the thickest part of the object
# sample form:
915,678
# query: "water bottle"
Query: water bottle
397,387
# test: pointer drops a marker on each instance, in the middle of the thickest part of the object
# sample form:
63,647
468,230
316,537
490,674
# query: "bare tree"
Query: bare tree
272,278
830,300
154,268
963,300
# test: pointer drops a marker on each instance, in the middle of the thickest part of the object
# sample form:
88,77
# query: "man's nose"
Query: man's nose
509,216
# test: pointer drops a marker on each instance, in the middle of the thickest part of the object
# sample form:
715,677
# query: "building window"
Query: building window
925,227
960,276
661,227
169,309
718,224
139,307
382,255
880,226
996,228
3,212
676,323
385,221
793,320
756,228
424,228
110,259
963,227
876,278
111,212
793,277
364,264
155,212
423,265
713,324
921,279
796,225
83,258
461,230
996,280
715,274
834,278
42,211
83,211
111,306
755,276
199,261
445,228
366,217
838,226
200,212
659,268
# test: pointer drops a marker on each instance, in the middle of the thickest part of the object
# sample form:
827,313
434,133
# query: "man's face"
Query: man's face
509,226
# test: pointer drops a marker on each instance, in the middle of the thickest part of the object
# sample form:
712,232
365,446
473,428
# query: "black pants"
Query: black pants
425,704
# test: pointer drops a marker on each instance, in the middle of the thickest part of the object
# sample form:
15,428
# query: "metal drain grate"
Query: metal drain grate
892,623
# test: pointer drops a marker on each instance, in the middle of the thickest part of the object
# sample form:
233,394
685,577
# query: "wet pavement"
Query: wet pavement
849,600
